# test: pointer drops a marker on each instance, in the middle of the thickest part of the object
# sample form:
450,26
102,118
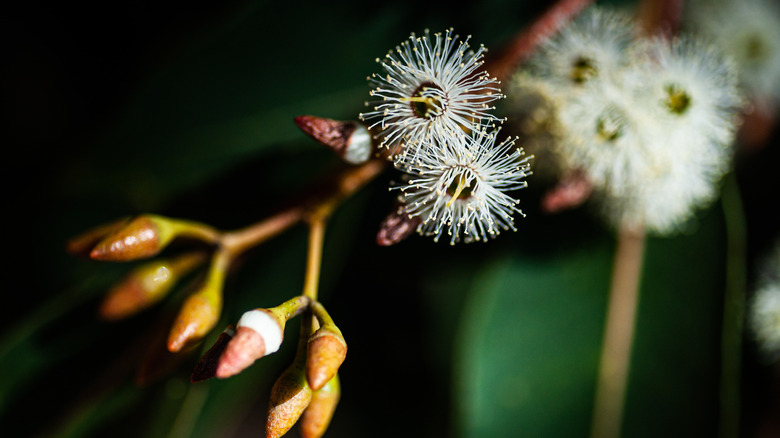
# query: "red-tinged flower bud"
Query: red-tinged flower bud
146,285
326,352
147,235
396,227
290,396
197,317
317,416
142,237
82,244
206,367
350,140
571,192
201,310
259,333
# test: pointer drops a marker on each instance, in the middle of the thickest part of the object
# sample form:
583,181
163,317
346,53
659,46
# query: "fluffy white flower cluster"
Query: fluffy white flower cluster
433,112
749,32
764,316
649,121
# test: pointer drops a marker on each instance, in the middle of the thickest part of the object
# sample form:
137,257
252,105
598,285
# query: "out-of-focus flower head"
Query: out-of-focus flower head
764,310
748,31
649,123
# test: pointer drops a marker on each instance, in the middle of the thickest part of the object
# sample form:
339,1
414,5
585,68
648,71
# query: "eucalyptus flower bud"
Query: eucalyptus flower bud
326,351
290,396
259,333
142,237
316,418
146,285
206,367
147,235
83,244
349,140
397,226
197,317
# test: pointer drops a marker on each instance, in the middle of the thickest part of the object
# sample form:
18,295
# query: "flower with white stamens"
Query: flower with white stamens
433,91
462,188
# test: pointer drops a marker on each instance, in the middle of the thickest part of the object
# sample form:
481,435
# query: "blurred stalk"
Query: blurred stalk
733,309
618,335
191,409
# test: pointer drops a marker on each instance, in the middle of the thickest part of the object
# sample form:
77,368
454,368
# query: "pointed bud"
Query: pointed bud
206,367
142,237
397,227
197,317
147,235
201,310
317,416
326,352
571,192
82,244
258,333
349,140
146,285
290,396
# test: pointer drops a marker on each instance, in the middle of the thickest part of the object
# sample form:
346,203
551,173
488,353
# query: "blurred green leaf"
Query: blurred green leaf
532,331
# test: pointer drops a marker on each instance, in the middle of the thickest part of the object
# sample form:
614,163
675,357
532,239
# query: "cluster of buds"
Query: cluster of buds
146,236
309,388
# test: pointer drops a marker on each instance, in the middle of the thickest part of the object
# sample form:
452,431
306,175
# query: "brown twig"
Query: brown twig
327,197
660,17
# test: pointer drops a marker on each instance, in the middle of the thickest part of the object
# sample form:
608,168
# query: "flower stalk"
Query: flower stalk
618,335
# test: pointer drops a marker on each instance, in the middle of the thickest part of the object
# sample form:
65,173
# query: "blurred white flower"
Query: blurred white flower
591,45
463,187
764,310
432,91
649,122
748,31
676,108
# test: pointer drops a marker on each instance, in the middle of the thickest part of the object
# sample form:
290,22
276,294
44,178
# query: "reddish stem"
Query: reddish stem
660,17
521,47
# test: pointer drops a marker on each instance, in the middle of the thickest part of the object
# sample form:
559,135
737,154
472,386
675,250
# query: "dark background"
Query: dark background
76,84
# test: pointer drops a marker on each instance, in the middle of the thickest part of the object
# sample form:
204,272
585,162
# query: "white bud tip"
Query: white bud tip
360,146
266,325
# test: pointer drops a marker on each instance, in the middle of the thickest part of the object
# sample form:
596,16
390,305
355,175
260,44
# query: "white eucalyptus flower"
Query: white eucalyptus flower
764,310
748,31
655,136
433,92
463,187
592,45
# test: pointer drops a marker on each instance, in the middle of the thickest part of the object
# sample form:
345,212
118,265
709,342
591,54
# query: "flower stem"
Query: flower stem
618,335
660,17
314,257
733,310
322,201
